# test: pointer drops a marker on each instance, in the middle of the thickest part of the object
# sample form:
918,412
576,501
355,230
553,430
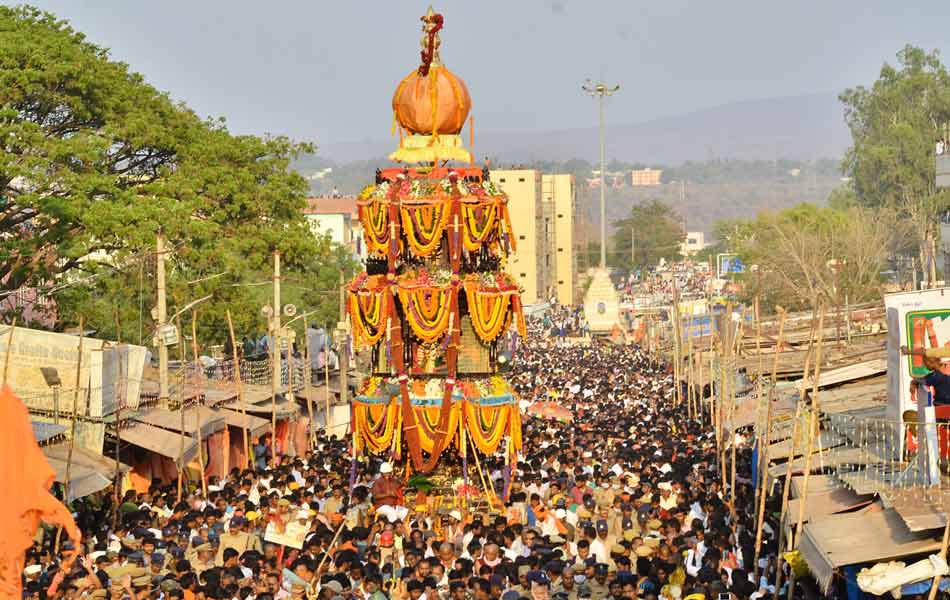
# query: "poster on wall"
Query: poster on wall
920,321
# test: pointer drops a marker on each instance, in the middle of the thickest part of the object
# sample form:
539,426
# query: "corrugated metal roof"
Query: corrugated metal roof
44,432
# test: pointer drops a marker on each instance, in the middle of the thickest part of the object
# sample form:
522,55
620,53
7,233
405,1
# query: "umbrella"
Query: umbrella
551,410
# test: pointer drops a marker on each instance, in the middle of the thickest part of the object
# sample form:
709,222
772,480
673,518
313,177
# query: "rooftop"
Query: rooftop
330,205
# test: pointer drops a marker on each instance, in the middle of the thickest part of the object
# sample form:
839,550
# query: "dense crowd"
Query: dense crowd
623,501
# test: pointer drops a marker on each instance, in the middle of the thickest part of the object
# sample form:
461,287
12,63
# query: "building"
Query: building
695,241
530,262
337,216
560,192
646,176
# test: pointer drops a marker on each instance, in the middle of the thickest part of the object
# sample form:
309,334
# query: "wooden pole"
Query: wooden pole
812,423
72,429
198,374
181,409
765,445
308,381
326,380
344,358
943,555
690,395
276,374
162,314
116,479
6,355
732,419
240,390
791,455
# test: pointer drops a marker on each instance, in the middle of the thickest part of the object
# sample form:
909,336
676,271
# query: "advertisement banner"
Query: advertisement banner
920,321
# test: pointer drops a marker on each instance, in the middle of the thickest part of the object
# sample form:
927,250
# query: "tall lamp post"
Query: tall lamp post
599,90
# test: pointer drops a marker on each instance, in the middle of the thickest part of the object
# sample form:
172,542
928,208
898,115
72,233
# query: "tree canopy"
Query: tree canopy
656,230
808,255
94,162
894,127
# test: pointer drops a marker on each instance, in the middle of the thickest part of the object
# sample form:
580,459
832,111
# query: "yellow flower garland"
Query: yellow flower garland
367,420
428,319
433,219
474,236
374,217
489,311
487,435
369,310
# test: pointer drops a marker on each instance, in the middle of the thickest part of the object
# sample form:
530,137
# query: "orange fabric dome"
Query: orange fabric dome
434,104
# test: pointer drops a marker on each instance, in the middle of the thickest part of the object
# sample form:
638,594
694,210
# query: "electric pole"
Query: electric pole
161,317
599,90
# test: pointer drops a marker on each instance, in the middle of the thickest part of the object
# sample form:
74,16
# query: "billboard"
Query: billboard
108,374
729,264
918,320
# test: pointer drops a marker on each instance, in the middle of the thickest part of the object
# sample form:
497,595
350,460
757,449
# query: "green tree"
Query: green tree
656,230
894,127
94,162
806,254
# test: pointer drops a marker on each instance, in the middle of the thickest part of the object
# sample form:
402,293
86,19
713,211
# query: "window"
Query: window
560,216
560,249
501,180
560,282
522,275
521,180
520,237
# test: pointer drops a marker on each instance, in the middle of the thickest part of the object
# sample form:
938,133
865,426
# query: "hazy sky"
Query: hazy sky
325,71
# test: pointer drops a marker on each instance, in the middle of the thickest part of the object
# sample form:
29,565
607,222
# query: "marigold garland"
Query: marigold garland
427,310
480,223
376,424
375,220
424,225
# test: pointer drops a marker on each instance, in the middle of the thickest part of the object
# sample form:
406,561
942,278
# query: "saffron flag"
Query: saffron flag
27,478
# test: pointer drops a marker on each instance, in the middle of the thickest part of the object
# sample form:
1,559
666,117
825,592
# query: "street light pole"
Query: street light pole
600,90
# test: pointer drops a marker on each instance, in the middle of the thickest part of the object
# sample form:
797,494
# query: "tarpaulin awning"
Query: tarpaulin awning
90,472
211,421
255,425
866,536
161,441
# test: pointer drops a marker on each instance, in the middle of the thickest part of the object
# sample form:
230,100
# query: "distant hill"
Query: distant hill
795,127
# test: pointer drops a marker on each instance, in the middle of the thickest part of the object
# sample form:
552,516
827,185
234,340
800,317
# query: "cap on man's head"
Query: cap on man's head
602,526
385,468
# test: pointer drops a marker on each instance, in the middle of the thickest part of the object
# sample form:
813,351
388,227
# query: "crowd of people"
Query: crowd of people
625,500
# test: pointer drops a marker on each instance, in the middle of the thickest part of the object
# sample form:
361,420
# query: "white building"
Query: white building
694,242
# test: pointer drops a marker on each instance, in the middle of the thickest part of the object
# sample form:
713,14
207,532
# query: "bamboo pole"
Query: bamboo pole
242,401
198,437
765,445
72,430
732,420
812,422
6,355
276,380
181,409
116,479
935,585
326,377
308,381
791,457
690,395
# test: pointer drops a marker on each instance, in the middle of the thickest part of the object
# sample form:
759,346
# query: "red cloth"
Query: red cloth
25,470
